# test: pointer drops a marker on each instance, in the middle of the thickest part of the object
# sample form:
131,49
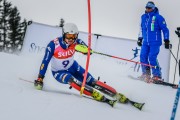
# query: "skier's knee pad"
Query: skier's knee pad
89,79
62,77
104,88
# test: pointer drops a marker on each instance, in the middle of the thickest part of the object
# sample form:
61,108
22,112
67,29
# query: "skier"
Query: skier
152,23
66,70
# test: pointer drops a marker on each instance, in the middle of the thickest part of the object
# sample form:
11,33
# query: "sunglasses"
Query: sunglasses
148,8
71,36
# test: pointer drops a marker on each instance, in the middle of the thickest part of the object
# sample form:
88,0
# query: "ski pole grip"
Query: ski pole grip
170,46
178,28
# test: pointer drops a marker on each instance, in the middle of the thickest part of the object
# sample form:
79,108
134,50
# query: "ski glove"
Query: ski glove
87,53
139,42
166,45
82,49
38,84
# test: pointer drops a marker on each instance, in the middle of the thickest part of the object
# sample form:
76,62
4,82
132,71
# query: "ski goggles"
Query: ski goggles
71,36
148,8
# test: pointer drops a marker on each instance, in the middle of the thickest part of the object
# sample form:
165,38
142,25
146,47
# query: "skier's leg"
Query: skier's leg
104,88
110,91
154,51
90,92
144,58
87,90
77,71
66,78
146,71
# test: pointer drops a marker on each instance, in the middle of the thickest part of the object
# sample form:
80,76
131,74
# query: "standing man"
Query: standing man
152,23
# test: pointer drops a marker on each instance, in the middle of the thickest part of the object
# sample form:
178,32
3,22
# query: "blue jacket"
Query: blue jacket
151,26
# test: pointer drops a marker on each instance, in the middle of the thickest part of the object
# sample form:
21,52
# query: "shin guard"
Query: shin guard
104,88
87,90
77,85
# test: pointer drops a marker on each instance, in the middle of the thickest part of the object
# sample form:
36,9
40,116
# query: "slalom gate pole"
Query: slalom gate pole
176,100
89,46
124,59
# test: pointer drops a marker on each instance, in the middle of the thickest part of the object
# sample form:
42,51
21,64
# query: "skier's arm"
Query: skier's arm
140,32
140,37
163,26
38,84
47,57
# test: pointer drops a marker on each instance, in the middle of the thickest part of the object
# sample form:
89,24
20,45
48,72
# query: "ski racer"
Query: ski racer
66,70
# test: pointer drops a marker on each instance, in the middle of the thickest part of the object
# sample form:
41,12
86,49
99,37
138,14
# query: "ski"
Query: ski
108,101
158,82
165,83
136,104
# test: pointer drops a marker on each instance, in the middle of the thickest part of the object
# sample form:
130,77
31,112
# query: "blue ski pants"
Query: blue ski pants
148,56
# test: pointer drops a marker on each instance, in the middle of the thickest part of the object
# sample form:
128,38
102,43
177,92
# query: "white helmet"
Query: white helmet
70,28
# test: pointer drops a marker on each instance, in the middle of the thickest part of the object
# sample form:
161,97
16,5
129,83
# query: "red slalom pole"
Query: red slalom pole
78,47
124,59
89,47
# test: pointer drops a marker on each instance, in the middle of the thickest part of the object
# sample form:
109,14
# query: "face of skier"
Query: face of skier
149,9
70,38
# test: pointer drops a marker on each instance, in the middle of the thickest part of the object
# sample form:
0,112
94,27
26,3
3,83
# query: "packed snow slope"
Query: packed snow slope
20,101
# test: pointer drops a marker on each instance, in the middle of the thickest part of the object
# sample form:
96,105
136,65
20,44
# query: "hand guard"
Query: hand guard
166,45
139,42
38,84
82,49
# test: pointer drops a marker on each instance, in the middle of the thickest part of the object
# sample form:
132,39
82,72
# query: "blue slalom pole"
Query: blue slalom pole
178,90
173,115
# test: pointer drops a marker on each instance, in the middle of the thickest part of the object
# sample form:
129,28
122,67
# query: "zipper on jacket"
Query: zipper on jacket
147,28
156,36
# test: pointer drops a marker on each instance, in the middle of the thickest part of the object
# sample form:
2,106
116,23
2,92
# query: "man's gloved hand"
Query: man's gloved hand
38,84
82,49
166,45
87,52
139,42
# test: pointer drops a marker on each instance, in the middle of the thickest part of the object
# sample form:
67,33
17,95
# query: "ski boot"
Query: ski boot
99,97
145,77
156,79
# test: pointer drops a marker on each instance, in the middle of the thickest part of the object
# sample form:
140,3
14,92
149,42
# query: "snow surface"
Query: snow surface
20,101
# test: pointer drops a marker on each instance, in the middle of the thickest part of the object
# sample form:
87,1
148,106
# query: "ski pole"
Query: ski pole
123,59
173,56
178,33
25,80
